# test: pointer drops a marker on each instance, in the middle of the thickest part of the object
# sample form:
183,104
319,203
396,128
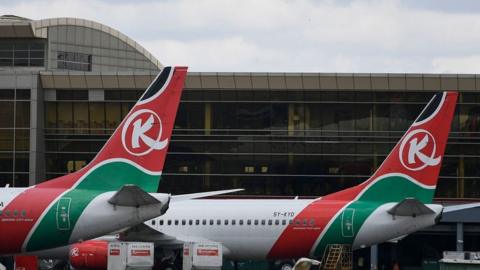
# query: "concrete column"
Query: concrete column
459,236
374,257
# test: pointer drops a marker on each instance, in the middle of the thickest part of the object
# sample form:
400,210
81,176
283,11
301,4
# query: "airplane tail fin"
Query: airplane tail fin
136,151
412,168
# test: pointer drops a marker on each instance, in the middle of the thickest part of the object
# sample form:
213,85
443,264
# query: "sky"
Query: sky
410,36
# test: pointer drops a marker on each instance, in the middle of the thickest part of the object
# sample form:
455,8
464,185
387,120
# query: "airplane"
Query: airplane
114,191
395,201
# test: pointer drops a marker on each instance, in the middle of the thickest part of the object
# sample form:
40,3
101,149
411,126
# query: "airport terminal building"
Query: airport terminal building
66,83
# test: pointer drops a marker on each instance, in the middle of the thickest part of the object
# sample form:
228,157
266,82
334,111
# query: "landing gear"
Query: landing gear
282,265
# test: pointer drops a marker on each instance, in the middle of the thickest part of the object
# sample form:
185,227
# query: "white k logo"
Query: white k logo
143,126
415,149
139,131
418,155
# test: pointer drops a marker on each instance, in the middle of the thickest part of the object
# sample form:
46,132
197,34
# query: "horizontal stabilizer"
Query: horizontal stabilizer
131,195
460,207
410,207
190,196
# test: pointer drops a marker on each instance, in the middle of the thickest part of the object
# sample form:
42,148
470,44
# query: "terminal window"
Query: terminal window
22,54
74,61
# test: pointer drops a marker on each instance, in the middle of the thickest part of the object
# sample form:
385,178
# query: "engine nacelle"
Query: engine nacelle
92,254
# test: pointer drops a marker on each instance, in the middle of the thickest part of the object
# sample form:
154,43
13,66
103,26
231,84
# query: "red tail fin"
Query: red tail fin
136,151
420,151
416,158
143,135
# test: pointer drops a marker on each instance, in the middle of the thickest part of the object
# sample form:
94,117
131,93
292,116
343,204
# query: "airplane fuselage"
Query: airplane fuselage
34,219
280,229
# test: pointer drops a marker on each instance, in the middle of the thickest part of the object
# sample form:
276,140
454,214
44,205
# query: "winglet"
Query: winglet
132,196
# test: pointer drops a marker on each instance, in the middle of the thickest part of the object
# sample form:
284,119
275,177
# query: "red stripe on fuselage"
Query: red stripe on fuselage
14,229
297,240
34,201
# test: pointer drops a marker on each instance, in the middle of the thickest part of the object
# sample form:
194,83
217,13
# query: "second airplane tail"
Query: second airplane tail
412,168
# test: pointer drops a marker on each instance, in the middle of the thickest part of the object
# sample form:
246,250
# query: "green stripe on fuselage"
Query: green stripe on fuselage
389,189
57,225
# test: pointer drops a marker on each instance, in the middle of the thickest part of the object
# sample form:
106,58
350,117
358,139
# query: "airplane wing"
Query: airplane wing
410,207
183,197
131,195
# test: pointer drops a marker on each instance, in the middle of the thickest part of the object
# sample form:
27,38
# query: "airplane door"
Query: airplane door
348,229
63,214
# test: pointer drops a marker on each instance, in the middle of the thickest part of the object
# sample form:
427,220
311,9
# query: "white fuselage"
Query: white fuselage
18,225
248,229
262,223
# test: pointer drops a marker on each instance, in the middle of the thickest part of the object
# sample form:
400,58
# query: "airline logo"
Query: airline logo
142,133
418,150
74,252
114,252
140,252
207,252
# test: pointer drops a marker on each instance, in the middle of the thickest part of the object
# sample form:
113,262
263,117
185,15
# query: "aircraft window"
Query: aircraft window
298,221
233,221
161,222
305,222
1,212
211,221
219,222
197,222
270,222
153,222
240,222
15,213
290,221
204,222
277,222
190,222
176,221
312,222
284,222
263,221
226,222
24,213
7,213
249,222
169,222
255,222
184,222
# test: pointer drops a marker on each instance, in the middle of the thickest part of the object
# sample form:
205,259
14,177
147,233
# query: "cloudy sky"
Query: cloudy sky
413,36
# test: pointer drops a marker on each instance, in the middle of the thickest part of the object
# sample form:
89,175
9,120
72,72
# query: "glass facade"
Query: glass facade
22,53
76,47
14,136
271,142
75,129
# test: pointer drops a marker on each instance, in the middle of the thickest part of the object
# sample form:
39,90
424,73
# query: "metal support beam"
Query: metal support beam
459,236
374,257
